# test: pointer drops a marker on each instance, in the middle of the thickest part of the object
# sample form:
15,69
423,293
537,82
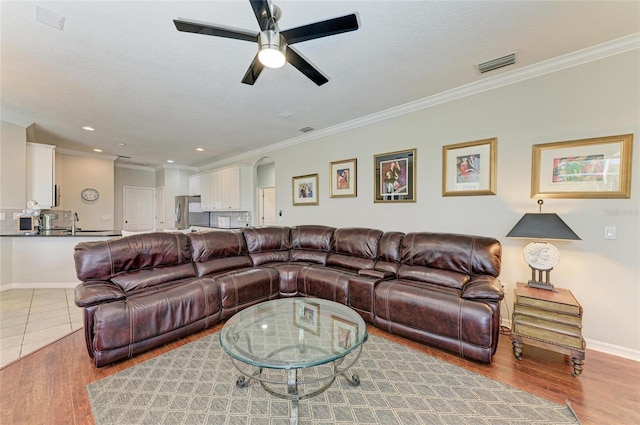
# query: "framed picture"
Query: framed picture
344,179
394,175
343,334
306,315
469,168
588,168
305,190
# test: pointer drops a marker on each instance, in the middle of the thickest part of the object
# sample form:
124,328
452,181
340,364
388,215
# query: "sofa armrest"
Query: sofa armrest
483,288
378,274
97,292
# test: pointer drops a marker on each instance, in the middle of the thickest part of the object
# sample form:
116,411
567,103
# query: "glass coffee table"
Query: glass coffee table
295,347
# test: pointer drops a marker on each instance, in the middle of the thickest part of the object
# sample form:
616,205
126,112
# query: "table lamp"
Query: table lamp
541,256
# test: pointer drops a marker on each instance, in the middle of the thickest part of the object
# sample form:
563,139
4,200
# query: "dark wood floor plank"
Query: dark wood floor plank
48,386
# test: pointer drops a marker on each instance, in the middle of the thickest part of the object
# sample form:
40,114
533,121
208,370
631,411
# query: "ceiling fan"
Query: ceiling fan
274,46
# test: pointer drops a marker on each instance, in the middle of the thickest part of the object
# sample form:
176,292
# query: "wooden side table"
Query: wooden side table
549,320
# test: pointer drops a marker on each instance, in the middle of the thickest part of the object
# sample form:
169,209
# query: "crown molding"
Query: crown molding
86,154
590,54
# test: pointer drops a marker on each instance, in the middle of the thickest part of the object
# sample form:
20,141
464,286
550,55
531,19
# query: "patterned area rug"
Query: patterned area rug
195,384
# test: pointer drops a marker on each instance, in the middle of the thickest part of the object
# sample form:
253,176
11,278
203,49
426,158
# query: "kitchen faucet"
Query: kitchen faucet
73,223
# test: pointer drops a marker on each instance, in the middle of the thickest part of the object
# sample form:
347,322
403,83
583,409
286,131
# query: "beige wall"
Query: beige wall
599,98
13,165
78,173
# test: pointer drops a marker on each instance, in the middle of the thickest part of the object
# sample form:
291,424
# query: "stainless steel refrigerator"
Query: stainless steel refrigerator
189,212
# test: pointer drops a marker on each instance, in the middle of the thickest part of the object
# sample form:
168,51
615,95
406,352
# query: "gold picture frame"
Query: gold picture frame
306,315
343,334
469,168
305,189
343,178
599,167
394,175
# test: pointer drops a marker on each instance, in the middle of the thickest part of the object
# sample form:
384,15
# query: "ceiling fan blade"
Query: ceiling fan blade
321,29
253,72
302,65
262,10
197,27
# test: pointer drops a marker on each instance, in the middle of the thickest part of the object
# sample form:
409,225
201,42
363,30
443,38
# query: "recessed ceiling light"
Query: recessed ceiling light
170,161
200,149
86,127
97,150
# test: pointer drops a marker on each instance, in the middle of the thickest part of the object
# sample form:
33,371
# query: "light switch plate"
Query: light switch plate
3,216
609,232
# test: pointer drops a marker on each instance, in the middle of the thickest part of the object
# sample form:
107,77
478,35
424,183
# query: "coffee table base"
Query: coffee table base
291,390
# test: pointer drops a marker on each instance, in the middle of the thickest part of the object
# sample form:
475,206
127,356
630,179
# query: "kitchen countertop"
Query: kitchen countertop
67,233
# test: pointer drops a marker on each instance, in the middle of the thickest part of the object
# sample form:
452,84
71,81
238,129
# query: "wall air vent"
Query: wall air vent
306,129
487,66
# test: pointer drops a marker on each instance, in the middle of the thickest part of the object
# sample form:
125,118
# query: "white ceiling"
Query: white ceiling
122,67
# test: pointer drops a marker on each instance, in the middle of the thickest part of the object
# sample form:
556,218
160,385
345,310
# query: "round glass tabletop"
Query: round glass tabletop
292,333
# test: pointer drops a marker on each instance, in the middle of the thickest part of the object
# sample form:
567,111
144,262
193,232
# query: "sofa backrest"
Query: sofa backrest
448,259
310,243
218,251
354,248
268,244
389,252
135,262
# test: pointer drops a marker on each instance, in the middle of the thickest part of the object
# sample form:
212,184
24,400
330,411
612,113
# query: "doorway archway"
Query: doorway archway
265,178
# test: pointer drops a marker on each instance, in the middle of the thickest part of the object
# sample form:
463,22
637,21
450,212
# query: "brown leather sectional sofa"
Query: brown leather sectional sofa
142,291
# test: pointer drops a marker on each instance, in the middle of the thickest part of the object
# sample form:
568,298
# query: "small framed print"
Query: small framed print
394,176
306,315
305,190
469,168
588,168
343,175
343,334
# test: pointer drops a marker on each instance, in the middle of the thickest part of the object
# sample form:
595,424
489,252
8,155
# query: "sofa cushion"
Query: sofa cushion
146,278
241,289
218,251
102,260
354,248
151,313
448,259
324,282
389,252
268,244
311,243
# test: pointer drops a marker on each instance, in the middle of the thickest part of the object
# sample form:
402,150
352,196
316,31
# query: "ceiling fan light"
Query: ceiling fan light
272,48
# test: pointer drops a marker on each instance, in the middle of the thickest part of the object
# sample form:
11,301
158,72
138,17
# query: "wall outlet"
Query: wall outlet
609,232
16,215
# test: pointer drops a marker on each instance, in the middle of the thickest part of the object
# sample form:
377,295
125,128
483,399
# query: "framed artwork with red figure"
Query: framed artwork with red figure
344,178
469,168
395,176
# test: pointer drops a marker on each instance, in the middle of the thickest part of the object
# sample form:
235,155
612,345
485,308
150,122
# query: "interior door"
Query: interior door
139,203
267,206
159,208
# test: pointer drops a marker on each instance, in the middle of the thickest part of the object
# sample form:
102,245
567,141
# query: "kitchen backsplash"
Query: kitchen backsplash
233,218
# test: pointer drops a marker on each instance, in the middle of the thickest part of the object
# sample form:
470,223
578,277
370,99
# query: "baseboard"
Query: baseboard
39,285
603,347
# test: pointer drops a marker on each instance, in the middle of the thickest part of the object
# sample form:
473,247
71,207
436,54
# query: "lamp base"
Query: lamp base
536,280
541,285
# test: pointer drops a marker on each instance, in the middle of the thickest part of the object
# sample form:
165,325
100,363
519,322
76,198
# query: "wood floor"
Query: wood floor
48,386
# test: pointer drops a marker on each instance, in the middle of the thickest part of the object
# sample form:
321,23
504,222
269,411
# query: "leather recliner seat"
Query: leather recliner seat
142,291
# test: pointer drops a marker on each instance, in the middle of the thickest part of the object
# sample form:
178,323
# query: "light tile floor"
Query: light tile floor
32,318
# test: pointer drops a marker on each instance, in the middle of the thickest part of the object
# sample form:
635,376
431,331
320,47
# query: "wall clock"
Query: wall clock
89,194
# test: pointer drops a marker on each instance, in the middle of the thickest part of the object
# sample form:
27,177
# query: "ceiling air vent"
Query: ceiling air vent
487,66
306,129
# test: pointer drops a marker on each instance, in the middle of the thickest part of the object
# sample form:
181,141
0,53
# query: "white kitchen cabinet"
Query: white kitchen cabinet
228,189
41,173
194,185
